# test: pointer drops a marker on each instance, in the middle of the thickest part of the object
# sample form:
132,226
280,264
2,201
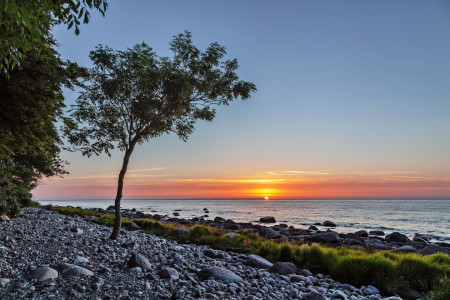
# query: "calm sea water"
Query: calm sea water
406,216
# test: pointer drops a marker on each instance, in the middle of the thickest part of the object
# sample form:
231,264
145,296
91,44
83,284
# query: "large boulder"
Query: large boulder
180,232
267,220
283,268
324,238
258,262
44,274
219,273
139,260
73,270
397,237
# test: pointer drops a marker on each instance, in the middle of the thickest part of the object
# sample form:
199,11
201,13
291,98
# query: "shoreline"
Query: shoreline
50,255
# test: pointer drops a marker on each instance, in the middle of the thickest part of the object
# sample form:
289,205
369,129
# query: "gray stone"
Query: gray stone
170,273
82,259
139,260
219,273
73,270
283,268
328,237
180,232
133,226
258,262
271,234
338,294
44,273
305,272
4,281
371,290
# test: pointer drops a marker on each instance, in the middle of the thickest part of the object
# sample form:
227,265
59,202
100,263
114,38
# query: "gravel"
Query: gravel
45,255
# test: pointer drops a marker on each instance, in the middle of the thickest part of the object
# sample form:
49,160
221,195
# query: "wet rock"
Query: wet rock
362,233
82,260
267,220
180,232
72,270
258,262
139,260
397,237
312,227
328,224
219,220
219,273
283,268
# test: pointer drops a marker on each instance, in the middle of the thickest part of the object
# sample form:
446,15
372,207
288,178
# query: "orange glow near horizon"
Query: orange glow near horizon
271,186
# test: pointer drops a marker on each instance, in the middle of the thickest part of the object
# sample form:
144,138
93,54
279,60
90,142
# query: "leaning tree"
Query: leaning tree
135,95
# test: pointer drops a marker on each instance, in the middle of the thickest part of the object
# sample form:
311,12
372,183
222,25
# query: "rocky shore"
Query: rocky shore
46,255
318,233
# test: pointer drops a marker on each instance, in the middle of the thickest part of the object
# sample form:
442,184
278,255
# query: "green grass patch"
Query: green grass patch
392,273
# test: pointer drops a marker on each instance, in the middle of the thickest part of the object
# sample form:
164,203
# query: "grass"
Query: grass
392,273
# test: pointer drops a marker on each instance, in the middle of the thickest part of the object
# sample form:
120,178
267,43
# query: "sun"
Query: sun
266,198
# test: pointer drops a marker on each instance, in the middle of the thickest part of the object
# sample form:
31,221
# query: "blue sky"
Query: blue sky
344,87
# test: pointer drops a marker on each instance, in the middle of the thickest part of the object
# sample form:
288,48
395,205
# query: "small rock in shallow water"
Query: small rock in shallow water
267,220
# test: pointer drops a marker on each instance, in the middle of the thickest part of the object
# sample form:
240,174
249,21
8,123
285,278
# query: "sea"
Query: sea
430,217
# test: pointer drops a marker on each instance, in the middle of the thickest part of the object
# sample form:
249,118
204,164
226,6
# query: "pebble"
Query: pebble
93,267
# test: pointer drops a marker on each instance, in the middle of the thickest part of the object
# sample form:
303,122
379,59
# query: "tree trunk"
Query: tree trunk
118,221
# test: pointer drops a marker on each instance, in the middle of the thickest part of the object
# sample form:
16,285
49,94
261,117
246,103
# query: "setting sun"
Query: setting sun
266,198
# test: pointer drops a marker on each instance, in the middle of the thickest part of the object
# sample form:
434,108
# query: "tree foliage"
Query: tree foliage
135,95
25,24
32,99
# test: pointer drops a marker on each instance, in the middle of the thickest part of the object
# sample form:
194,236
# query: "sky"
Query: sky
352,102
